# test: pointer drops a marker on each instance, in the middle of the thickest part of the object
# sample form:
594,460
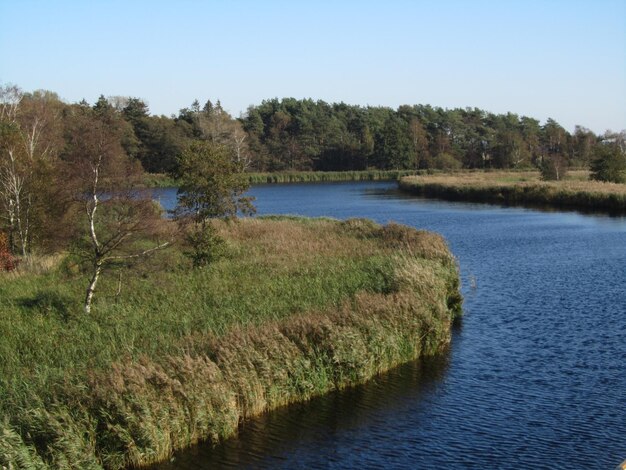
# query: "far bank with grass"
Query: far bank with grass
155,180
296,308
328,176
520,188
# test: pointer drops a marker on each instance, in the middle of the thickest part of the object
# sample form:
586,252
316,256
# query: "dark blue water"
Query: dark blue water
535,377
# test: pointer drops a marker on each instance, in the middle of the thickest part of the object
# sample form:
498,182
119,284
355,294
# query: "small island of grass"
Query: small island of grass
172,355
520,188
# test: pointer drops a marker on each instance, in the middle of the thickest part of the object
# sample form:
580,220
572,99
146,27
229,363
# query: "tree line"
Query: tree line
292,134
307,135
45,140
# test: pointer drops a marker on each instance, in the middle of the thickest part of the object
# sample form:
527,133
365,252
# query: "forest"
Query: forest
302,134
296,135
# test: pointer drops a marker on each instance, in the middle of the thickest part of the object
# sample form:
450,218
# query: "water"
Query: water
536,374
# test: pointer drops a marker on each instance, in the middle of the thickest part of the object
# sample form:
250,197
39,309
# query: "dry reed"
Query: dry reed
138,409
520,188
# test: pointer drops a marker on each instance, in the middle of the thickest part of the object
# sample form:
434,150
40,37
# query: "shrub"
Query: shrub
445,161
609,164
206,245
553,167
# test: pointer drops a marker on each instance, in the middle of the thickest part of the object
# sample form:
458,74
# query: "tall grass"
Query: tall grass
327,176
520,188
159,180
153,180
299,307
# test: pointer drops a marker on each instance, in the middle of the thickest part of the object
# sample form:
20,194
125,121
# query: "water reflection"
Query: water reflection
272,440
395,193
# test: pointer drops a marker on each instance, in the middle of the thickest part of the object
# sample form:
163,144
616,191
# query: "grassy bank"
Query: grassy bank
159,180
297,308
152,180
327,176
520,188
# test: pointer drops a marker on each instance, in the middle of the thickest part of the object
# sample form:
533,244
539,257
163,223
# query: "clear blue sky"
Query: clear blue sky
549,58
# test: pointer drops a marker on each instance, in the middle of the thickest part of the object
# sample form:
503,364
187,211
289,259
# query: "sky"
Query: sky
550,58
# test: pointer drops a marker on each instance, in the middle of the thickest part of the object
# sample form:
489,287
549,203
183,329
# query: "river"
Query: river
536,374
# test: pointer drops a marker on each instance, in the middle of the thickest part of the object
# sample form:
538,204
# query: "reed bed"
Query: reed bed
154,180
520,188
328,176
159,180
297,308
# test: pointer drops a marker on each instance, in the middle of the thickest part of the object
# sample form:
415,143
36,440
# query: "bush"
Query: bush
445,161
553,167
206,245
609,164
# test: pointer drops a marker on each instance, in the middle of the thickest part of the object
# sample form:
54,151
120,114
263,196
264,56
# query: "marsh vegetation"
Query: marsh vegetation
521,188
294,308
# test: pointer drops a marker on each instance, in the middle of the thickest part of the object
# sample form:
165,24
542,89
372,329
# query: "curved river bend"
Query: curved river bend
535,377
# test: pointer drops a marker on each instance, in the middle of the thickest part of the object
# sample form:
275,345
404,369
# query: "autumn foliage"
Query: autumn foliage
8,262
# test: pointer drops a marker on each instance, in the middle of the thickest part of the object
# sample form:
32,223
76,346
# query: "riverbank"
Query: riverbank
154,180
520,188
328,176
297,308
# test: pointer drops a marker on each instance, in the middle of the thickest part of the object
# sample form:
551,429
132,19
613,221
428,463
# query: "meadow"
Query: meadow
171,355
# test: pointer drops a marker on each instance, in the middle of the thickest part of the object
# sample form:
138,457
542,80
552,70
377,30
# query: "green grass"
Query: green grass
521,188
327,176
159,180
152,180
298,307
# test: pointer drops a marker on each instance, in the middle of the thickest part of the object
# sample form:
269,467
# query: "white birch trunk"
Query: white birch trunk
92,287
91,216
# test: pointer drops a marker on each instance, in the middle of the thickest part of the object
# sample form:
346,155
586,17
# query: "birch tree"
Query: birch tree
31,139
11,178
241,152
121,225
215,125
554,163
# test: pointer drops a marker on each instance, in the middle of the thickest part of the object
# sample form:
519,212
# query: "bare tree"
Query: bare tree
213,122
118,102
241,151
218,127
10,98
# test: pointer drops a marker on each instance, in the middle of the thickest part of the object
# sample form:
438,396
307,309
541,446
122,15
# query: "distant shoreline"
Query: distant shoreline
521,188
159,180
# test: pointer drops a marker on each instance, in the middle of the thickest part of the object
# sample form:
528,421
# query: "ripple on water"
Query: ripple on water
536,375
